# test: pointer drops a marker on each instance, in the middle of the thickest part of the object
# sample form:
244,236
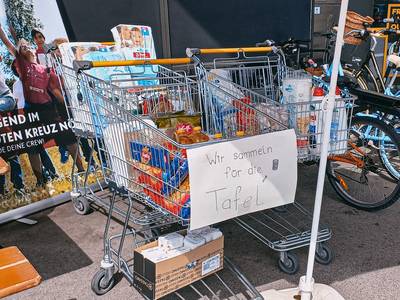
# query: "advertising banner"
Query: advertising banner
36,141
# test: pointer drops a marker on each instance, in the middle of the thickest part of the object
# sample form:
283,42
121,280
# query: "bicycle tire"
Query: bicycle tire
393,169
380,177
361,80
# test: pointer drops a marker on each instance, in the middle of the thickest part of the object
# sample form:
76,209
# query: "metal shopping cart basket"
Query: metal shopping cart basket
146,165
82,113
83,191
257,79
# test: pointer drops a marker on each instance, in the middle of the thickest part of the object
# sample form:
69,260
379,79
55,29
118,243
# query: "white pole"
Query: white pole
306,282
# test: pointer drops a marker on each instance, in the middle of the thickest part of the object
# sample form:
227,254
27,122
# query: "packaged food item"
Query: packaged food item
296,95
246,120
171,120
212,234
218,136
170,241
186,134
207,232
154,156
153,252
182,137
278,115
198,136
177,203
177,251
192,241
199,230
302,138
315,118
161,181
136,42
157,105
239,133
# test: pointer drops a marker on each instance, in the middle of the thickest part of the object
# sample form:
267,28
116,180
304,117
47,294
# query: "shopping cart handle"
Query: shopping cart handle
190,52
82,65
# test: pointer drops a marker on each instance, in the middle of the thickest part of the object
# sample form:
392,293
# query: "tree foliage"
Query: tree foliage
21,17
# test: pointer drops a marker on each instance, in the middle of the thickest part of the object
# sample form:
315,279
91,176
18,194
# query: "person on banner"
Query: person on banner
49,170
40,86
8,104
43,58
40,41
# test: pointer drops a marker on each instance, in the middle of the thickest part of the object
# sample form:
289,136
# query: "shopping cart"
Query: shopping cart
143,163
257,79
81,113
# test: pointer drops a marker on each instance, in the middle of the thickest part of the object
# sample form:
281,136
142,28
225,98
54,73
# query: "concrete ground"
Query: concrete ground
66,250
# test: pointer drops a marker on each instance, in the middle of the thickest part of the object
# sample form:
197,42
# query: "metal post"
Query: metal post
306,282
165,35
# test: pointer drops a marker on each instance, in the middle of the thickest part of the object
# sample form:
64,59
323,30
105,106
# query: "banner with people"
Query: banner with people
38,147
36,141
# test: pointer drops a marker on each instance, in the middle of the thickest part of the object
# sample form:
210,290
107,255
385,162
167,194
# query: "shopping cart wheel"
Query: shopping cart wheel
82,206
288,263
99,284
324,254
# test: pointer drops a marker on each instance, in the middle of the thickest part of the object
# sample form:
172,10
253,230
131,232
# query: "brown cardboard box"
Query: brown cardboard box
155,280
16,272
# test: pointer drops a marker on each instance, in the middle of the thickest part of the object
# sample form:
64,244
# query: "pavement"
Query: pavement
66,249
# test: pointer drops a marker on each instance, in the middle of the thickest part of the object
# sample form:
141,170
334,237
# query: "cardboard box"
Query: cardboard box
155,280
16,273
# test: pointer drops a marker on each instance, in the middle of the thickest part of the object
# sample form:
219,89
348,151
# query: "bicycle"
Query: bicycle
371,162
359,176
366,73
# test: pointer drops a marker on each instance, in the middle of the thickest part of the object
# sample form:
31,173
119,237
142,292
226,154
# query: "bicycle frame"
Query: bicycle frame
349,158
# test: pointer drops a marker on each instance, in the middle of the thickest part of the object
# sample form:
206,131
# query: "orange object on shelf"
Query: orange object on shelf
16,272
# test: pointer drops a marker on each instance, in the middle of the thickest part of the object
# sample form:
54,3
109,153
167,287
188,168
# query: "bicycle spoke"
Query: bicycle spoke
364,175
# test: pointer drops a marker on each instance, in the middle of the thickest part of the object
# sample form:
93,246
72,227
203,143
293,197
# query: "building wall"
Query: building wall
191,23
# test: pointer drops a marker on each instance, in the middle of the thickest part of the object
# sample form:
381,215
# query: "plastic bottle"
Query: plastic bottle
335,118
334,126
313,127
316,118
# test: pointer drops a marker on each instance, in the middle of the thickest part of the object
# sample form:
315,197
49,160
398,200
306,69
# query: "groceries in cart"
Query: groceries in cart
177,260
303,98
163,177
136,42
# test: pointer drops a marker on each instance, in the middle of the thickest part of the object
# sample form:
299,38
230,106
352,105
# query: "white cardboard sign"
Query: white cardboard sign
230,179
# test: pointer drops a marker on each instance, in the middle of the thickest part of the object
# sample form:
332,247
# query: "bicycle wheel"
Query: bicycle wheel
389,157
359,176
363,79
387,150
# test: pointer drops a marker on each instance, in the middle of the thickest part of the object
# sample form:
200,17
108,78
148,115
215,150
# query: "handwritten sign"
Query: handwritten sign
234,178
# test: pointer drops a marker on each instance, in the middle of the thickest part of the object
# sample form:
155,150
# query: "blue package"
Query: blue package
184,213
155,156
173,181
174,171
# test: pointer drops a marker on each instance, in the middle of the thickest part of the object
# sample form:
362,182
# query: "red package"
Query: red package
245,116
